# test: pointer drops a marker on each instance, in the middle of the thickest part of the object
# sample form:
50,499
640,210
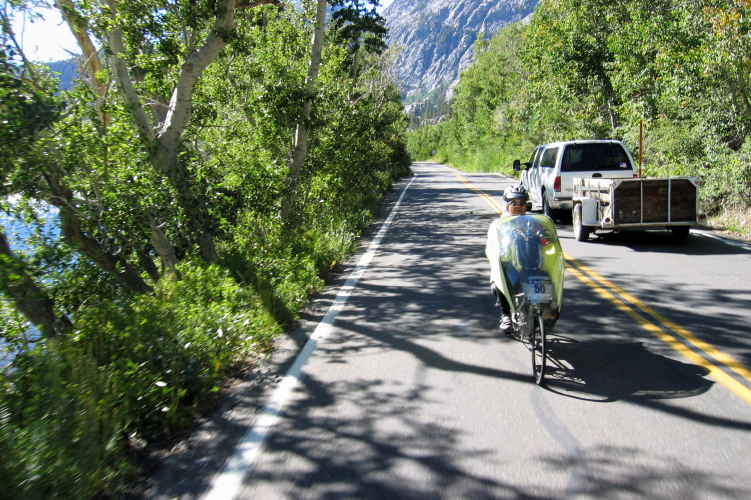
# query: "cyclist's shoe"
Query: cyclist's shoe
506,324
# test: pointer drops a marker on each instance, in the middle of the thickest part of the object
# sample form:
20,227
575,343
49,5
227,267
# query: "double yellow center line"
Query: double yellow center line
485,196
658,325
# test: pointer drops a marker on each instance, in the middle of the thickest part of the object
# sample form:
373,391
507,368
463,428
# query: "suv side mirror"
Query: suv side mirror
517,165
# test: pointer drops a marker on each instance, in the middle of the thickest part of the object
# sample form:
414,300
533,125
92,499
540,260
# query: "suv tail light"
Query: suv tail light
557,184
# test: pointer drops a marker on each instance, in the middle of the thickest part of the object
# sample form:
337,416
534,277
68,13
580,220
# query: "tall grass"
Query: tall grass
135,371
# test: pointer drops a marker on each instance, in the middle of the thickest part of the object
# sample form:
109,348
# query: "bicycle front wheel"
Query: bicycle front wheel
538,342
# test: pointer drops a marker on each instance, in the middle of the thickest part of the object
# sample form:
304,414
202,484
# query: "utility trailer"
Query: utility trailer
635,203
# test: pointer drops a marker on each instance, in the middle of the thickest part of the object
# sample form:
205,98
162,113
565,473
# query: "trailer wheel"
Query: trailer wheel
581,232
680,232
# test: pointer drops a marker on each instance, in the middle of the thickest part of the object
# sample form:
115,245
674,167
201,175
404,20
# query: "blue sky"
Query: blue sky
46,40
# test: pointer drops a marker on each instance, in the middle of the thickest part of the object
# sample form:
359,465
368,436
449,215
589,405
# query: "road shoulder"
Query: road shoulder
185,468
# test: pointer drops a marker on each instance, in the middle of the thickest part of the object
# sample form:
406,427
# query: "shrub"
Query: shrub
134,372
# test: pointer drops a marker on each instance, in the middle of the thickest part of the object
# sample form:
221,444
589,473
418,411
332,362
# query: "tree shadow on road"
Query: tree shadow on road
607,371
364,437
626,472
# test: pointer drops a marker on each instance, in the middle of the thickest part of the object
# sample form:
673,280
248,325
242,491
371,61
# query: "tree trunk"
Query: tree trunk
71,231
148,264
90,57
164,137
29,299
300,150
163,247
162,132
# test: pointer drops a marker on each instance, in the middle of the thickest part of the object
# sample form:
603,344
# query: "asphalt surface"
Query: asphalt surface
413,393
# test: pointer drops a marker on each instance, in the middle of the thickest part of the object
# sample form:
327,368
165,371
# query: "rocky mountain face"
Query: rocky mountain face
435,39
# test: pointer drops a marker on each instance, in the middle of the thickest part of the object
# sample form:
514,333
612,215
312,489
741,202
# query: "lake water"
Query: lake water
19,235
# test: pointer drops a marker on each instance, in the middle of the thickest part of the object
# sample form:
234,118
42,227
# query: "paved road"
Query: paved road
413,393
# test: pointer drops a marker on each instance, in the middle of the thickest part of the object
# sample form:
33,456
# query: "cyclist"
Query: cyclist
526,274
515,203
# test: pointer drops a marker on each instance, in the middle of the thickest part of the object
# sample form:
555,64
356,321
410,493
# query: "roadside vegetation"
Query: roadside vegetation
593,69
169,214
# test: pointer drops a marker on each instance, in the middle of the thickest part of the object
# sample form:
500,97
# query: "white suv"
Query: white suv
549,175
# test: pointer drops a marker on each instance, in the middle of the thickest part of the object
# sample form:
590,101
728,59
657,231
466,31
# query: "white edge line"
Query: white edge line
729,241
225,485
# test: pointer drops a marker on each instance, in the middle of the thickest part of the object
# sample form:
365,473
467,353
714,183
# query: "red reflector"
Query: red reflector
607,220
557,184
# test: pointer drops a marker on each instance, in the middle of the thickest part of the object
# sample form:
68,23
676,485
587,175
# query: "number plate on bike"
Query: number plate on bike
539,290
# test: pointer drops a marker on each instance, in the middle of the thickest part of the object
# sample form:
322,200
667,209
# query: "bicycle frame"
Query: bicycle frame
521,318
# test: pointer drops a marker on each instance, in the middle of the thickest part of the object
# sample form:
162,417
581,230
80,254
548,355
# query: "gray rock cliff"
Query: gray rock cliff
435,39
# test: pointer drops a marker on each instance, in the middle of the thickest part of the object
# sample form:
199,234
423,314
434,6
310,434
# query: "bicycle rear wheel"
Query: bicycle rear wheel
538,344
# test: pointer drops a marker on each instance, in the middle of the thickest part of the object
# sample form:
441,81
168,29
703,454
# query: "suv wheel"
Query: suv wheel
546,207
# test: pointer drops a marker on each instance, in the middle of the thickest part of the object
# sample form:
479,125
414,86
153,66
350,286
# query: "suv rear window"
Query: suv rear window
588,157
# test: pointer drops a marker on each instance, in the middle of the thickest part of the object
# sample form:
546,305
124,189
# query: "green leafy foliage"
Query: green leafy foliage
137,364
357,28
168,364
594,69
